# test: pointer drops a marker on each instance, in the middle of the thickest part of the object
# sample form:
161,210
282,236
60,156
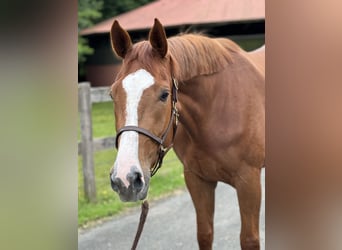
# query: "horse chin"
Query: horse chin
142,195
132,197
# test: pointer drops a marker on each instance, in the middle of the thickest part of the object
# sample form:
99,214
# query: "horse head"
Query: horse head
144,105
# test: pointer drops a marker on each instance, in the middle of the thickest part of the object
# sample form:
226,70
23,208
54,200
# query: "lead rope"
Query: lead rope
143,215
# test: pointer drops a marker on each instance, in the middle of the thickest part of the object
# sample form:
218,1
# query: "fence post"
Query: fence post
84,107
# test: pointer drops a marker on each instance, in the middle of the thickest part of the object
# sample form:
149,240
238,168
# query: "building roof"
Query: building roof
184,12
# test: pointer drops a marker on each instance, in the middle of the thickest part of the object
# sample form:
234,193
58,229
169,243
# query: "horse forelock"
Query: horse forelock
143,55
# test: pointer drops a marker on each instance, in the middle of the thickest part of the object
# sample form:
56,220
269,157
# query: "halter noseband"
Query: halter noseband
159,140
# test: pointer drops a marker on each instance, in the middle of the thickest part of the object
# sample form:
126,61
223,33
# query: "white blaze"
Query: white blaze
134,85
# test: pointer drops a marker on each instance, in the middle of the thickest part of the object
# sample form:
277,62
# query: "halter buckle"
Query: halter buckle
163,149
176,114
175,83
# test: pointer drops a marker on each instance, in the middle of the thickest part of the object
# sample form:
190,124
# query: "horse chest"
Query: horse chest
209,163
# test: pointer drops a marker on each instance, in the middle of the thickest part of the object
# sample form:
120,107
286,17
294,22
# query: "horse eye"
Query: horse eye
163,96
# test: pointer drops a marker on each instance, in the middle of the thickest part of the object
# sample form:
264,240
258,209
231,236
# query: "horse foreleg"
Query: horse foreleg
203,197
248,188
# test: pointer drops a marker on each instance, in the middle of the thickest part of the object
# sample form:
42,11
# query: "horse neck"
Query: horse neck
196,97
220,98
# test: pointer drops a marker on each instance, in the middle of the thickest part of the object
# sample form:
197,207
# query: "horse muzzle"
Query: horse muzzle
132,187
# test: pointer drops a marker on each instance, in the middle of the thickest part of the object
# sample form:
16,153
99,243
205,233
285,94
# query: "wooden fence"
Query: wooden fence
88,145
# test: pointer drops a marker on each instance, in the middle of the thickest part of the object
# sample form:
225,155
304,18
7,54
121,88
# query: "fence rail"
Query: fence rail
99,94
100,144
88,145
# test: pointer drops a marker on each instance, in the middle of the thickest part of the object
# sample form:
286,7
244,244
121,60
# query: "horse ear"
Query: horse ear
158,39
120,39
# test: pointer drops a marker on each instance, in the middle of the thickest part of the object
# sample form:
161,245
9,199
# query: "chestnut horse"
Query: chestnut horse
213,93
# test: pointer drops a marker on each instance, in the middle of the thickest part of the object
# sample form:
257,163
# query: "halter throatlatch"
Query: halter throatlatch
159,140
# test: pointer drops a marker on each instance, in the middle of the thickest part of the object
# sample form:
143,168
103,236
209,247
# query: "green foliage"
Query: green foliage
83,49
113,8
89,11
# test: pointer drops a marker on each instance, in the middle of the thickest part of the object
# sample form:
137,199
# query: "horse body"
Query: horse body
228,145
220,135
229,131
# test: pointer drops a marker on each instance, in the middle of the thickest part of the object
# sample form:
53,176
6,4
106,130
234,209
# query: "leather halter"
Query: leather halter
159,140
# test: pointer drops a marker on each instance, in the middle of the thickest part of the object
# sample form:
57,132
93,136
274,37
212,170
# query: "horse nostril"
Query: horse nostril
138,183
134,178
116,183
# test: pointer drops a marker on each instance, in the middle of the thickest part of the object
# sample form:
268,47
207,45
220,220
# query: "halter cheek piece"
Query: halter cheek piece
159,140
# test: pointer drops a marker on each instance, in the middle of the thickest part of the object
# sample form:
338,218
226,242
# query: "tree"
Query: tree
89,11
113,8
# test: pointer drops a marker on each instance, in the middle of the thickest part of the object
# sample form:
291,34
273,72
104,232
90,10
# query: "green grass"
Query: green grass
168,178
103,120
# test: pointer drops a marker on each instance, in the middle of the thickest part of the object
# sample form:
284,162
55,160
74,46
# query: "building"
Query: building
240,20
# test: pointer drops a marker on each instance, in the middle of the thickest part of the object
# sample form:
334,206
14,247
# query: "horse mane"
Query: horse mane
192,55
200,55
